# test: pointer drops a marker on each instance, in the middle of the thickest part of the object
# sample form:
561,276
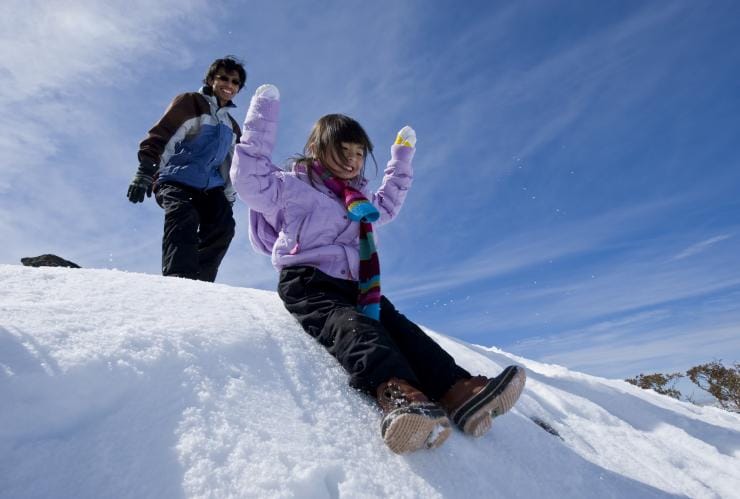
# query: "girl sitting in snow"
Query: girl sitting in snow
317,223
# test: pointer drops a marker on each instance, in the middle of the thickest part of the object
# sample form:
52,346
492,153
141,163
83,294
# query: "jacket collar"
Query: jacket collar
208,93
301,172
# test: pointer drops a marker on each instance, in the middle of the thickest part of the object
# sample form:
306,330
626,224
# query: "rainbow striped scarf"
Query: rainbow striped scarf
359,209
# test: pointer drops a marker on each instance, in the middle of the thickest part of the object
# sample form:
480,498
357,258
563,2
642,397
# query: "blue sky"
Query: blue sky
576,181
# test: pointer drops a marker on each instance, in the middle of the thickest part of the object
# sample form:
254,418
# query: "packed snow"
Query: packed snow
125,385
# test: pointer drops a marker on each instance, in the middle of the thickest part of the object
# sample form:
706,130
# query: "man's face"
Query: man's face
225,85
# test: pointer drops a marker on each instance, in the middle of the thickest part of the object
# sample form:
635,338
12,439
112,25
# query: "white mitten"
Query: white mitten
268,91
406,137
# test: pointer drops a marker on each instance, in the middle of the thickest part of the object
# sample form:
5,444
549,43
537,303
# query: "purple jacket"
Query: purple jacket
299,223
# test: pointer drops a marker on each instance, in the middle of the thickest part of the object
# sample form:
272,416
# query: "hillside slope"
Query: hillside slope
117,384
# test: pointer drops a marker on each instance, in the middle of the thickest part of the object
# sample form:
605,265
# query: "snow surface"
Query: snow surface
116,384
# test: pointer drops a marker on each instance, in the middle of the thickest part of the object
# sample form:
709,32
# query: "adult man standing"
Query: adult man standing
185,160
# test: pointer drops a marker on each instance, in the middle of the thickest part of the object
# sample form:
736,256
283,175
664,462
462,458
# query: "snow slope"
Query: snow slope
116,384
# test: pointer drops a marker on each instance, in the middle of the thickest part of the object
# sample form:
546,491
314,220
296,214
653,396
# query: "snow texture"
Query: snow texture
116,384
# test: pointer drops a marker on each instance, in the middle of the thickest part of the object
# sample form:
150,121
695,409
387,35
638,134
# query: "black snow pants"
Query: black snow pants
198,228
371,351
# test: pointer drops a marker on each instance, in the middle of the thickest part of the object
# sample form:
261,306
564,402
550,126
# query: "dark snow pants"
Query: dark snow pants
370,351
198,228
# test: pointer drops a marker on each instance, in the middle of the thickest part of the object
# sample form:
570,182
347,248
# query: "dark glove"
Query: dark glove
142,183
230,194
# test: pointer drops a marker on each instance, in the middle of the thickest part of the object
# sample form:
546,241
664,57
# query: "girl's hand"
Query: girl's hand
406,136
268,90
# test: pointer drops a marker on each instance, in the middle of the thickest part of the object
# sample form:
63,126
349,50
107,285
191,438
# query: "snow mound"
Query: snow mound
116,384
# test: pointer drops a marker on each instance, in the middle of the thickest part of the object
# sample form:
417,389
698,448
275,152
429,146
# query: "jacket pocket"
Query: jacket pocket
298,235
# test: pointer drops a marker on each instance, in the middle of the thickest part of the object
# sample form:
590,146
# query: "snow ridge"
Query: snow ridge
117,384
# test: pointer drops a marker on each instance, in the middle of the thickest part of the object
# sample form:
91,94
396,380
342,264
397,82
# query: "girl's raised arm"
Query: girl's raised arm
397,177
257,181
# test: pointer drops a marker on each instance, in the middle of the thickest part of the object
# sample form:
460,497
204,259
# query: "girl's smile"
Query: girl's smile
354,160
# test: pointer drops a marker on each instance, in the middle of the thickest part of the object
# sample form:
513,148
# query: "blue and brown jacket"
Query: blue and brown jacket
193,142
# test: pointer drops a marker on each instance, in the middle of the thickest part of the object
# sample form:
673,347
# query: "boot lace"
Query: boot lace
395,396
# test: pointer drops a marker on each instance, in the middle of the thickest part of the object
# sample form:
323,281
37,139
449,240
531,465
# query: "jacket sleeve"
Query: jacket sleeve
225,168
258,182
389,198
179,111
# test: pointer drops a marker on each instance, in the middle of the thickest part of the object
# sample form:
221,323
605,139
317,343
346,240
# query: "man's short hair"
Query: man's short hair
229,63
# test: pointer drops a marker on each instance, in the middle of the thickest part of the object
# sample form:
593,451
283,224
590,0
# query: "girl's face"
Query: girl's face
351,167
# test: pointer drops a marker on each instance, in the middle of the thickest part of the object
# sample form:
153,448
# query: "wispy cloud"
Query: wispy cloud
700,247
50,47
57,58
508,105
555,92
561,295
61,65
525,250
638,347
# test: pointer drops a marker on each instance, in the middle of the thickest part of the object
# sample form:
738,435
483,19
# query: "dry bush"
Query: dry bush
722,382
658,382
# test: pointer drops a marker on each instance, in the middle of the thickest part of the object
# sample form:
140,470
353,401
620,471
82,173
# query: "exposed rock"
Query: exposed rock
546,426
48,261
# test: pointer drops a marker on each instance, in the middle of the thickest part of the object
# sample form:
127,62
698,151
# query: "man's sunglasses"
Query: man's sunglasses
234,81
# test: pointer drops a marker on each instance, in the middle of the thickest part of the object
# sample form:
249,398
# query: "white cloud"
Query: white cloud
637,282
59,63
700,247
54,46
55,54
663,339
666,350
555,93
522,251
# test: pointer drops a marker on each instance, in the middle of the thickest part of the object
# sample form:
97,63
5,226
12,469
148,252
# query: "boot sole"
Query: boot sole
415,427
497,397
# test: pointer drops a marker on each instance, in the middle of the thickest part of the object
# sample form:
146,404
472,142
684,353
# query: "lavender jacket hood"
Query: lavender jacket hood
298,223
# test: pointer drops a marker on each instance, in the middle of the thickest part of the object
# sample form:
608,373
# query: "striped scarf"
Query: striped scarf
359,209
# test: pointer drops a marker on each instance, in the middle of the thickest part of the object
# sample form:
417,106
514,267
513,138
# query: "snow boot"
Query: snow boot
472,403
410,421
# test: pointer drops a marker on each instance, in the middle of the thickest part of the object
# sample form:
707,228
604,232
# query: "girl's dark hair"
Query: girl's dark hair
325,141
229,63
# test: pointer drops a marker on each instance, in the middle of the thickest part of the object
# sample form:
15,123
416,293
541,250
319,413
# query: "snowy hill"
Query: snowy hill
116,384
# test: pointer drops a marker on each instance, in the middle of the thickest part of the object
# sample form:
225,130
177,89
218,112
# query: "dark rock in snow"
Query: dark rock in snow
48,261
546,426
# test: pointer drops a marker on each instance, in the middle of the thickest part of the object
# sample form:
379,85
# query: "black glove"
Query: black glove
142,183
